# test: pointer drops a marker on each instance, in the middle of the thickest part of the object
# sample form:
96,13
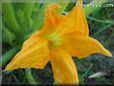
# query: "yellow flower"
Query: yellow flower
60,38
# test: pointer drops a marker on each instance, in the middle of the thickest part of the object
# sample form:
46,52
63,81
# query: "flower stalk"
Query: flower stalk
30,77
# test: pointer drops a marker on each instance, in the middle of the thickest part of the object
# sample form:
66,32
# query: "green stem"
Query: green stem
7,35
9,16
29,77
100,30
8,55
95,5
101,21
88,70
28,9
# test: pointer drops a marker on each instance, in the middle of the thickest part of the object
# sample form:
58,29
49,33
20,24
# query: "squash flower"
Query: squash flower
61,37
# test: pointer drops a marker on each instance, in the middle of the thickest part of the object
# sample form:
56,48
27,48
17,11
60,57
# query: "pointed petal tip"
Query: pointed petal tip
107,53
110,54
9,67
4,70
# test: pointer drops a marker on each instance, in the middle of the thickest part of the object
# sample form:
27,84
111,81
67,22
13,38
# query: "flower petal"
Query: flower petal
51,19
83,46
63,67
75,21
34,54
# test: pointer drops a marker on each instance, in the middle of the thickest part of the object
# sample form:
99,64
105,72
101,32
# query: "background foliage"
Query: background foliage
18,23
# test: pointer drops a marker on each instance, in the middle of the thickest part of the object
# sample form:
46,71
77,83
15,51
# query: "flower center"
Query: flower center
54,40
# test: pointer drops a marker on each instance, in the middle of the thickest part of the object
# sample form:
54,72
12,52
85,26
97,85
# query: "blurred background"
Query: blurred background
21,19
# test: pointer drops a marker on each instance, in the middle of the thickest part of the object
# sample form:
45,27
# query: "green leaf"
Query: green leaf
8,55
10,19
28,10
8,36
37,22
